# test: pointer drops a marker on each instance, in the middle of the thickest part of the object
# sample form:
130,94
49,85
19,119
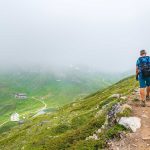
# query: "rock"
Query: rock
123,97
114,110
122,135
94,137
21,122
125,106
103,127
144,116
115,96
136,90
112,113
97,107
146,138
134,145
99,131
132,123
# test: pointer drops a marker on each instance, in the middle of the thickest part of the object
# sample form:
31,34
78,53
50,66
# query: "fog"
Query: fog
102,34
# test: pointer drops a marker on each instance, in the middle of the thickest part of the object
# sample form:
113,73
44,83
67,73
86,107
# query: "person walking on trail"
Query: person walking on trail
143,76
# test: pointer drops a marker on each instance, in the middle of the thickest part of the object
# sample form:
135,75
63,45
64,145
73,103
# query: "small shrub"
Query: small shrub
60,129
80,120
89,145
126,113
113,132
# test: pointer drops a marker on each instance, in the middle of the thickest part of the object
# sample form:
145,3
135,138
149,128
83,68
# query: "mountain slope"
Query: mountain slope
69,127
56,89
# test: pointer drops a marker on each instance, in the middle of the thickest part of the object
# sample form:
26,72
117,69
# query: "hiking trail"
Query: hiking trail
140,140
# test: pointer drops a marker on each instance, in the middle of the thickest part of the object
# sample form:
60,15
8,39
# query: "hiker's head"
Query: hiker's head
143,52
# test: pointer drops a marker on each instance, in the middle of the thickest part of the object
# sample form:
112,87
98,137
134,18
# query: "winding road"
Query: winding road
42,101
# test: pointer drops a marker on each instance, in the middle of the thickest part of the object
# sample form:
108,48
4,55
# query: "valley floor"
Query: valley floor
139,140
26,113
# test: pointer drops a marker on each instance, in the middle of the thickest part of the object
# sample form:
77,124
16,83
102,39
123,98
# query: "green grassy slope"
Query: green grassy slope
69,126
56,89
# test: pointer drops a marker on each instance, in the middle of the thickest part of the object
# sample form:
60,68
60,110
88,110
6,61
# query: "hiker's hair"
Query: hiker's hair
142,52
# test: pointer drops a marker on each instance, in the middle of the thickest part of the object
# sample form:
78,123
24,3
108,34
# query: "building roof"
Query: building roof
15,114
21,94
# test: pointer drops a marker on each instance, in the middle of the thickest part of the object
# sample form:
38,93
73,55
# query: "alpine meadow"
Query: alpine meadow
74,75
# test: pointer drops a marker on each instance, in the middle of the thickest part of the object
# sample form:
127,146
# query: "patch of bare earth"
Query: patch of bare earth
140,140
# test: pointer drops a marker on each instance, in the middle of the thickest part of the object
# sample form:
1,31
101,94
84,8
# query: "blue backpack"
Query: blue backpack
145,66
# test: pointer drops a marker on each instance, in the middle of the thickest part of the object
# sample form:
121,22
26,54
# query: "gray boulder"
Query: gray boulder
132,123
115,96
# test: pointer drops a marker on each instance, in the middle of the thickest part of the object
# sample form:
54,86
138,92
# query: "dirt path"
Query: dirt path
41,110
141,139
45,105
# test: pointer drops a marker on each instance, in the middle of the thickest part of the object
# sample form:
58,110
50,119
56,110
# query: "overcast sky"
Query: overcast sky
105,34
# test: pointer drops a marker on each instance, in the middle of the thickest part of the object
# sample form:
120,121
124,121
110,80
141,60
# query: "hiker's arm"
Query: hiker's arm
137,72
137,69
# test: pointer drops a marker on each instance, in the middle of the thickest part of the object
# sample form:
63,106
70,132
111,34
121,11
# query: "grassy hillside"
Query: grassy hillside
69,127
56,89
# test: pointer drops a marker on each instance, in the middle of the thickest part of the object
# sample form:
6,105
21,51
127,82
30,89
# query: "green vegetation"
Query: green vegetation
113,131
55,89
69,127
125,113
8,126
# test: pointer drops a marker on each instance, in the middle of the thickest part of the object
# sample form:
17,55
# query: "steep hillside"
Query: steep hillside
56,89
71,125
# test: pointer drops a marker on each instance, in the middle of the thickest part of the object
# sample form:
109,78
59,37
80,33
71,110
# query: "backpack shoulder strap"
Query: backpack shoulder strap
140,60
148,59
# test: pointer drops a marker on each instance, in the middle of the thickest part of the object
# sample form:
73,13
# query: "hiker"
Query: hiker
143,76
